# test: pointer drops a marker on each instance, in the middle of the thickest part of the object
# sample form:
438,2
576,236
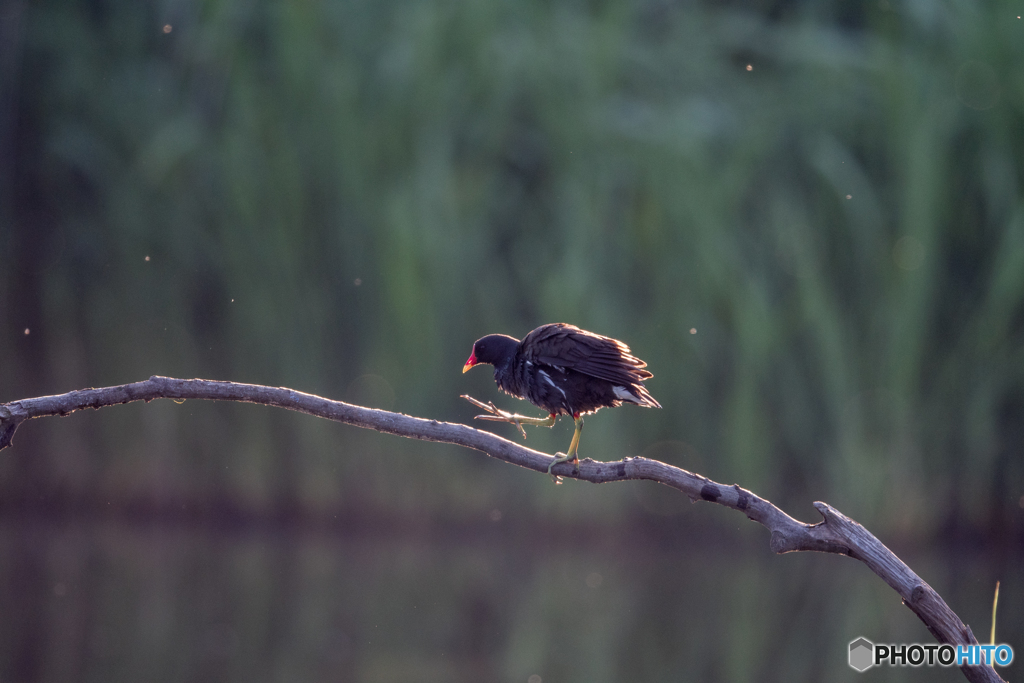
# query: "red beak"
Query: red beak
471,362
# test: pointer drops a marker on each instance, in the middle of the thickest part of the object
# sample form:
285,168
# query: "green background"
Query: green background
807,217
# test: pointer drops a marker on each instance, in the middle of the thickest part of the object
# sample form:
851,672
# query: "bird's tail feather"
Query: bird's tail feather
638,394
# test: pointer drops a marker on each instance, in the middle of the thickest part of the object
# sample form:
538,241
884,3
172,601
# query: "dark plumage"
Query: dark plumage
565,371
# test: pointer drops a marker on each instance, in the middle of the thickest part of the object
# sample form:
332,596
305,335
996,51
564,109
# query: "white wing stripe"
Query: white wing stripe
547,378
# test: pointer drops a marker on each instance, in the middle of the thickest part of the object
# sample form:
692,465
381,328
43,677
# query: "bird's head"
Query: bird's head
494,349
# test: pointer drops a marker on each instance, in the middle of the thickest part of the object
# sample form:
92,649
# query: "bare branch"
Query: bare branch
836,534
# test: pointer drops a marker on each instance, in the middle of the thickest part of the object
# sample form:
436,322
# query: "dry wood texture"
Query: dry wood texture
836,534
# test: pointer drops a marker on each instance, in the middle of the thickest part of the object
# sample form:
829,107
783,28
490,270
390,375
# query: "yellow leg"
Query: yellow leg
571,455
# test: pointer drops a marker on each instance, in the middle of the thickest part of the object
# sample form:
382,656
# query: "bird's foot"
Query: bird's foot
560,458
496,414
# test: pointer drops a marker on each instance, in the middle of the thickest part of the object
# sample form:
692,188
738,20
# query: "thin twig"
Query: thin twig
836,534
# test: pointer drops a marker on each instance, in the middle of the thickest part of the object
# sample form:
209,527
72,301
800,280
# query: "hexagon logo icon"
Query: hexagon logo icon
862,653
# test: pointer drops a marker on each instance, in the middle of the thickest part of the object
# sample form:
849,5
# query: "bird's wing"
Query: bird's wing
567,346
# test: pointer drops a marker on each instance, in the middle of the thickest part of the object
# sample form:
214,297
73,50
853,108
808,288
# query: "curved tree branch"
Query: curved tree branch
836,534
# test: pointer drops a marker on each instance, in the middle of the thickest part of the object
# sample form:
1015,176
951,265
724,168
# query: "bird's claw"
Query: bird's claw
479,404
560,458
496,414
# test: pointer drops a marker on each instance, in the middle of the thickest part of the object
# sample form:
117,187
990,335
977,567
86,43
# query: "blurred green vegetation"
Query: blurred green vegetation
806,217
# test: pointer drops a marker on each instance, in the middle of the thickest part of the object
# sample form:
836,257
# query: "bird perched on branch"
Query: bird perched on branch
563,370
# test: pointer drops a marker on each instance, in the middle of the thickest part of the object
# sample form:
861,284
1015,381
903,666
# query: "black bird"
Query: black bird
565,371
